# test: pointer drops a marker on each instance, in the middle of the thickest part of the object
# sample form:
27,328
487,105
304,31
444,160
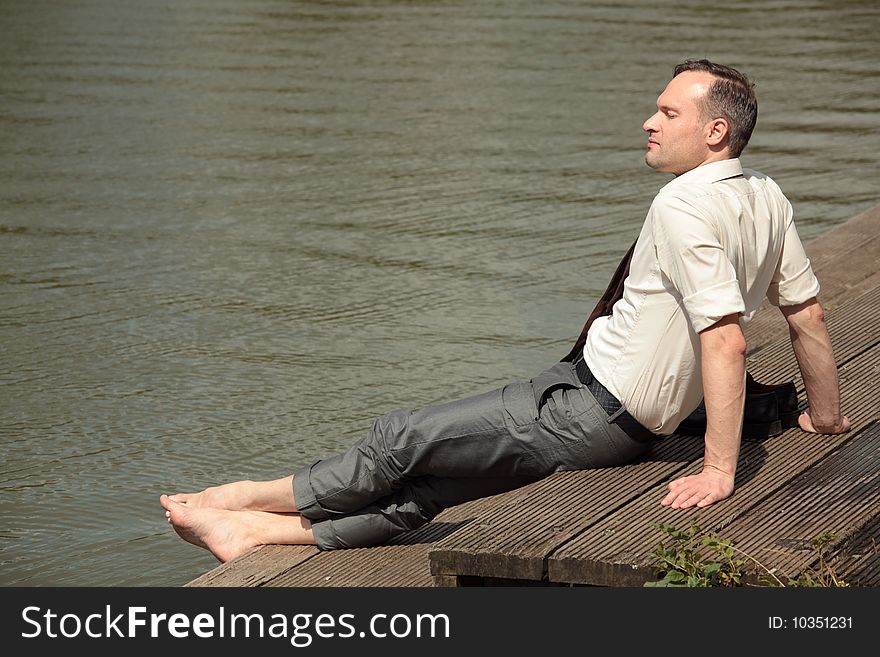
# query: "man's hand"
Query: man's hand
808,423
701,490
723,351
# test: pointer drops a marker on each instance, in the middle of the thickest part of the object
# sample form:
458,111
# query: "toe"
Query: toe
176,513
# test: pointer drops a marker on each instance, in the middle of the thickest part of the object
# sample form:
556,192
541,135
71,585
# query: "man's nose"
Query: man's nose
650,125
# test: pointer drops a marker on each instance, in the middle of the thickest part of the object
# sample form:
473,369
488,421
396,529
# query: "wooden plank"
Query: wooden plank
840,495
618,550
257,566
402,564
857,561
511,541
844,238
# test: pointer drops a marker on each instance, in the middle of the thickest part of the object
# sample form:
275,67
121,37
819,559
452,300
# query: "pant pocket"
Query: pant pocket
559,377
519,404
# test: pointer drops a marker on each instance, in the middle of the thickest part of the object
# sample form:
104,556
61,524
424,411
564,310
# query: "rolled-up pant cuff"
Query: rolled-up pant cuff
325,535
304,495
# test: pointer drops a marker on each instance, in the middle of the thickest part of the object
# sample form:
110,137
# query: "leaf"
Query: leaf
711,568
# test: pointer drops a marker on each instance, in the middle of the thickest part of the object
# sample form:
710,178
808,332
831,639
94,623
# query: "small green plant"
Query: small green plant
703,559
686,563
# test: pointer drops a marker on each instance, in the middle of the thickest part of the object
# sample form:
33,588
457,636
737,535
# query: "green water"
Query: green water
233,232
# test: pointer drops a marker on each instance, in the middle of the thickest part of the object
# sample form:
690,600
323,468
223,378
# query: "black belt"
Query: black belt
616,412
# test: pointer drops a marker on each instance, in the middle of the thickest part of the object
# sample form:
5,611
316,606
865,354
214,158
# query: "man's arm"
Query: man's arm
812,348
723,356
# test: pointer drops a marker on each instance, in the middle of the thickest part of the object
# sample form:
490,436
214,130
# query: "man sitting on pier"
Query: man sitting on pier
717,240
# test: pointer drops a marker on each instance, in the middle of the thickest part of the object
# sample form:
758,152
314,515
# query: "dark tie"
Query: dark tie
612,294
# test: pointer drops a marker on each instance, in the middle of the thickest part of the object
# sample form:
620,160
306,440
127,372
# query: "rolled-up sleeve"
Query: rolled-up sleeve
692,258
793,281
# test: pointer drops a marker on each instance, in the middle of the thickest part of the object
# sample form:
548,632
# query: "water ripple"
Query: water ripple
233,232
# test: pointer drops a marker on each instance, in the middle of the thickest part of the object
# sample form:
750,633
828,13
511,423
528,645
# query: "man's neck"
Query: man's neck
711,158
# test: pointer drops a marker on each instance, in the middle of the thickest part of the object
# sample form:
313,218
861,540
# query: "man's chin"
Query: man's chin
658,165
651,162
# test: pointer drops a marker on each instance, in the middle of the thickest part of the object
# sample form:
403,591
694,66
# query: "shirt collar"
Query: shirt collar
712,172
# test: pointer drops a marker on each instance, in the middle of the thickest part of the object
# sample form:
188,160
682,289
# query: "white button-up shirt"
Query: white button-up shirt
717,240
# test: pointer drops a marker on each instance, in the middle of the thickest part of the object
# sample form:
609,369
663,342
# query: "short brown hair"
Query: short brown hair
731,96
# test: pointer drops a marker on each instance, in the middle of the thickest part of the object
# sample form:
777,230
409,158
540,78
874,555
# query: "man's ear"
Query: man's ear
717,132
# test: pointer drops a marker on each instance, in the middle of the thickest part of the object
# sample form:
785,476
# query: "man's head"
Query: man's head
706,113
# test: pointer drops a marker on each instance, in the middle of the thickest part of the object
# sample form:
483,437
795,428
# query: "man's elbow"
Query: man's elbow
733,344
804,316
724,337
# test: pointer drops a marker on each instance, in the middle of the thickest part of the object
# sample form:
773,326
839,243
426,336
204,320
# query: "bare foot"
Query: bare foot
274,496
232,497
227,534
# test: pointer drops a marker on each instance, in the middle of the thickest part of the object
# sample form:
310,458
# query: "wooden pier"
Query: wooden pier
599,527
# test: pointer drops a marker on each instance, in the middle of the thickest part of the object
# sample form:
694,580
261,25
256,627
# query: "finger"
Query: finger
675,487
711,498
690,500
682,497
672,496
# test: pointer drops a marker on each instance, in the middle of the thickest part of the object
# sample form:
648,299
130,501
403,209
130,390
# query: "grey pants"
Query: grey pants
413,464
